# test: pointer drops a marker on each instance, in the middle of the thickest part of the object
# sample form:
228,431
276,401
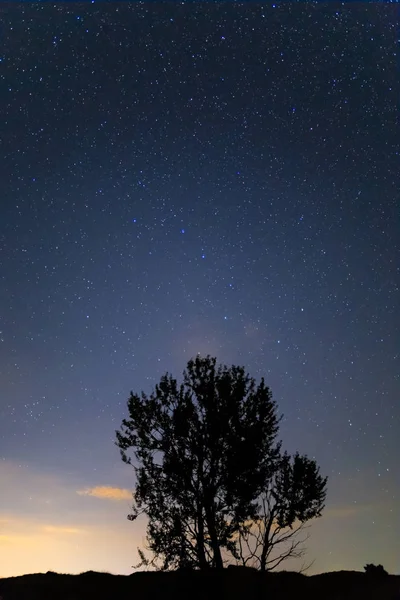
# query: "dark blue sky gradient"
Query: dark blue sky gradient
213,178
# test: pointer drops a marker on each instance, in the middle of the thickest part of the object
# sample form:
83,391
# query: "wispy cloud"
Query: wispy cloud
15,527
5,539
107,492
345,512
46,526
29,545
59,529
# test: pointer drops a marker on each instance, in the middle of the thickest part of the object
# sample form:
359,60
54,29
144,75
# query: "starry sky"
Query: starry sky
196,177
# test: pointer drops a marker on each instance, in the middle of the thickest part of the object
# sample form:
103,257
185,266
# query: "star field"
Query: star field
196,177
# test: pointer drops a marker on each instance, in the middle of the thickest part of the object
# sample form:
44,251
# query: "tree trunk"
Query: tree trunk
213,536
263,558
208,485
265,546
201,552
203,564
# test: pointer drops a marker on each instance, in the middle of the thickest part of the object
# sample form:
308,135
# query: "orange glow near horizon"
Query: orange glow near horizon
56,527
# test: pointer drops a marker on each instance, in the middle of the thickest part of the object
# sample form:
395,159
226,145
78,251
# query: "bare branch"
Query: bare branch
307,566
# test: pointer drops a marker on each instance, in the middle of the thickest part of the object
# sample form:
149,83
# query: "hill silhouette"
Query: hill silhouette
229,583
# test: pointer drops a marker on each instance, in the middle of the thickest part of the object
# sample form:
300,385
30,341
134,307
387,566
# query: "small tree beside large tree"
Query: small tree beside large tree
210,474
293,496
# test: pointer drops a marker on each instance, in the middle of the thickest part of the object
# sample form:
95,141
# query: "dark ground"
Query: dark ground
231,583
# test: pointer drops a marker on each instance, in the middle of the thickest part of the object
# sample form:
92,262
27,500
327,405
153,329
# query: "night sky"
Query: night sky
194,177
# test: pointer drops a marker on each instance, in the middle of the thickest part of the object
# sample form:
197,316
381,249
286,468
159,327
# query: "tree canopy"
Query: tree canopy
209,468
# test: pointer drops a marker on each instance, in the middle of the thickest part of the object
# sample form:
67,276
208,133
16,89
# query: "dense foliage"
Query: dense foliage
209,469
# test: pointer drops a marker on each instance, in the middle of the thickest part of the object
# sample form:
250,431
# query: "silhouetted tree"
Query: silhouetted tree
203,450
294,495
205,453
375,571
